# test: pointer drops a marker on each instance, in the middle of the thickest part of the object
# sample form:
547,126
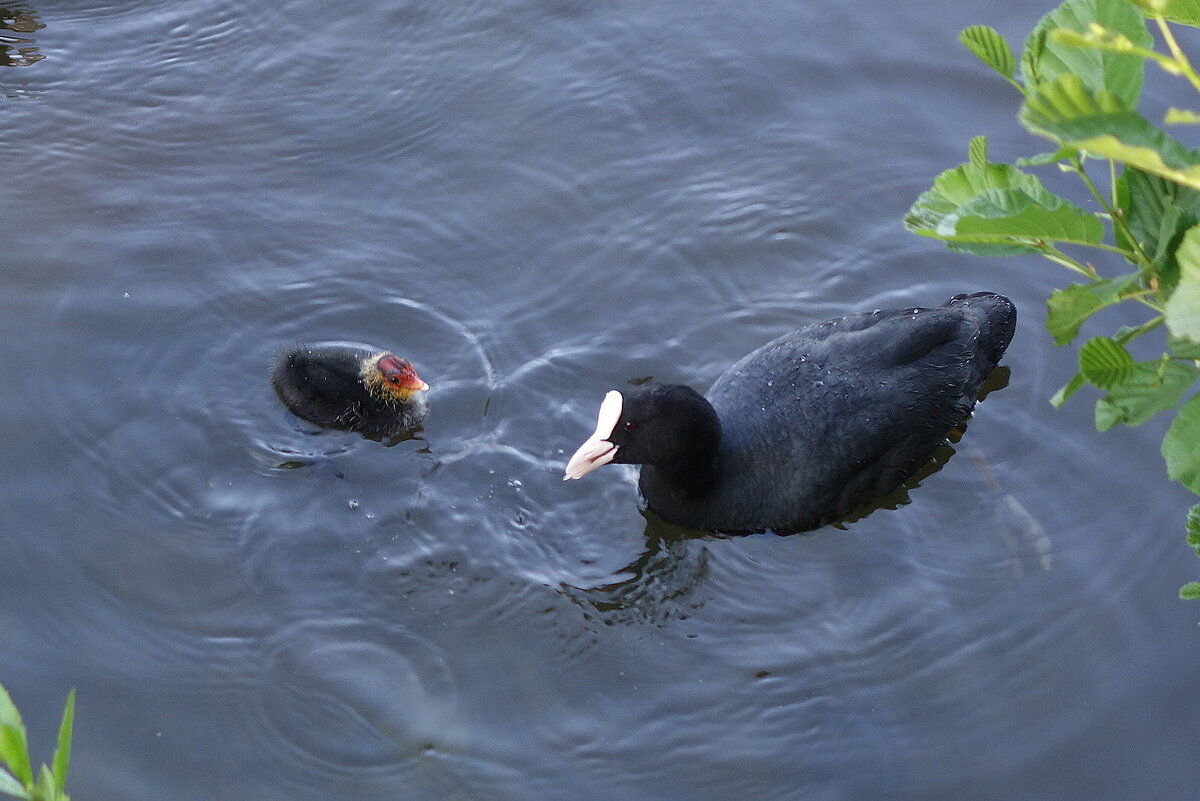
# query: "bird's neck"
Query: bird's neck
686,477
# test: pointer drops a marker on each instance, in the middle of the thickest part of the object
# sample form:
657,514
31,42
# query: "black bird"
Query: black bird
810,426
350,387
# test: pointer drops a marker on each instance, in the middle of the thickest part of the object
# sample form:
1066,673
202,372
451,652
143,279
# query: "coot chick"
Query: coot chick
810,426
350,387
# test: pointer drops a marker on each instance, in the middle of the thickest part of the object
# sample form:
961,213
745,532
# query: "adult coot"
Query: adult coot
350,387
810,426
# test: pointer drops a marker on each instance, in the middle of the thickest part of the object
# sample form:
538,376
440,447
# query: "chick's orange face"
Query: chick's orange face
398,376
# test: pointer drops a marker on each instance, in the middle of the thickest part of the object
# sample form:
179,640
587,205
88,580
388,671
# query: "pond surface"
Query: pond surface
535,202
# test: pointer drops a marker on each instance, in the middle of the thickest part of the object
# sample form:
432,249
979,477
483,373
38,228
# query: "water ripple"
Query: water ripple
535,202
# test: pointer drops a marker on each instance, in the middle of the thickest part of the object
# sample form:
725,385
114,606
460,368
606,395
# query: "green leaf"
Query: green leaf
1190,591
1181,116
1065,111
1193,527
45,789
1183,348
62,753
8,711
1183,307
10,786
1042,159
1031,56
1164,245
991,48
1123,235
1002,216
1106,415
1105,363
1067,390
977,151
1181,446
1157,210
1186,12
1186,199
998,210
14,751
1151,388
1163,263
1119,74
1069,308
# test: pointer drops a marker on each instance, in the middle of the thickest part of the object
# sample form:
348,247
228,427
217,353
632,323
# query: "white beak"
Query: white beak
597,451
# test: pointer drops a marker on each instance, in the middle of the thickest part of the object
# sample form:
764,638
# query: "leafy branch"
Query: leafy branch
1080,76
16,769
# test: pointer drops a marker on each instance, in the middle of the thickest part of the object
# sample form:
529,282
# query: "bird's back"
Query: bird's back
826,418
320,384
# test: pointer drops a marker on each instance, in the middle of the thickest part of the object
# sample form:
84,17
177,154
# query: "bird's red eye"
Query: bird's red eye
630,425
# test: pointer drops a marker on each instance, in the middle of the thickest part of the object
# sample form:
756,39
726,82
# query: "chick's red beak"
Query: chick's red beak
400,374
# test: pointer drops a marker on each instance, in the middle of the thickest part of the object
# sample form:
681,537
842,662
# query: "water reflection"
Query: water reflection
19,51
658,585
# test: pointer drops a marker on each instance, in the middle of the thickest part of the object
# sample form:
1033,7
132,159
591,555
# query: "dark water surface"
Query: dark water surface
534,201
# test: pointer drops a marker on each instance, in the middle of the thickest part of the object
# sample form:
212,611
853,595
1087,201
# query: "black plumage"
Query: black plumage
813,424
350,387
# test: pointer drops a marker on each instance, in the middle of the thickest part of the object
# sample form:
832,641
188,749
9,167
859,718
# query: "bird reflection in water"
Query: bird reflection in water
658,585
18,51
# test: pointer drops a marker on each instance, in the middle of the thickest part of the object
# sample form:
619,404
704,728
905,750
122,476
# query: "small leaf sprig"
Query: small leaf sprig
17,778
